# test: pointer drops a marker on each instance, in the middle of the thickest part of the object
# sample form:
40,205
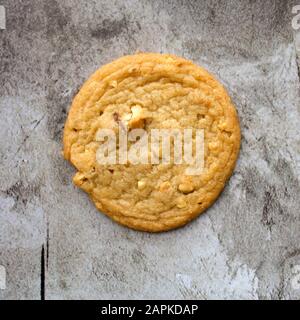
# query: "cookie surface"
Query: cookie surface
152,91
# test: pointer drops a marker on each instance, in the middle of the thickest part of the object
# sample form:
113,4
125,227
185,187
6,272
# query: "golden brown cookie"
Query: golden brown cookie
152,91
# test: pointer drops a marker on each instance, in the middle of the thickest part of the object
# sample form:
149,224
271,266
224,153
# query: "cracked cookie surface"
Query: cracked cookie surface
152,91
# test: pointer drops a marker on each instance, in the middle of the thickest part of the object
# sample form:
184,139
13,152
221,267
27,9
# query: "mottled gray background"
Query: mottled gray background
53,242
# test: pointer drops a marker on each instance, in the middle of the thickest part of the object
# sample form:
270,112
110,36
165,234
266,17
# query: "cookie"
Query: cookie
148,92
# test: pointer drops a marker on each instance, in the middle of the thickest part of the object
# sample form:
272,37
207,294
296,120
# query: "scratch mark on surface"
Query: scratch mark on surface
28,135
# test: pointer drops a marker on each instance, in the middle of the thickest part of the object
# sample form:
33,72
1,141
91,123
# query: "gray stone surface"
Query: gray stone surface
54,243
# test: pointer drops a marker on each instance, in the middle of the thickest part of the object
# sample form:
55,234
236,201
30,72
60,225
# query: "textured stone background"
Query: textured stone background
54,243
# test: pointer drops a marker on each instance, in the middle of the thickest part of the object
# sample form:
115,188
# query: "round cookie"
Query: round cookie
152,91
